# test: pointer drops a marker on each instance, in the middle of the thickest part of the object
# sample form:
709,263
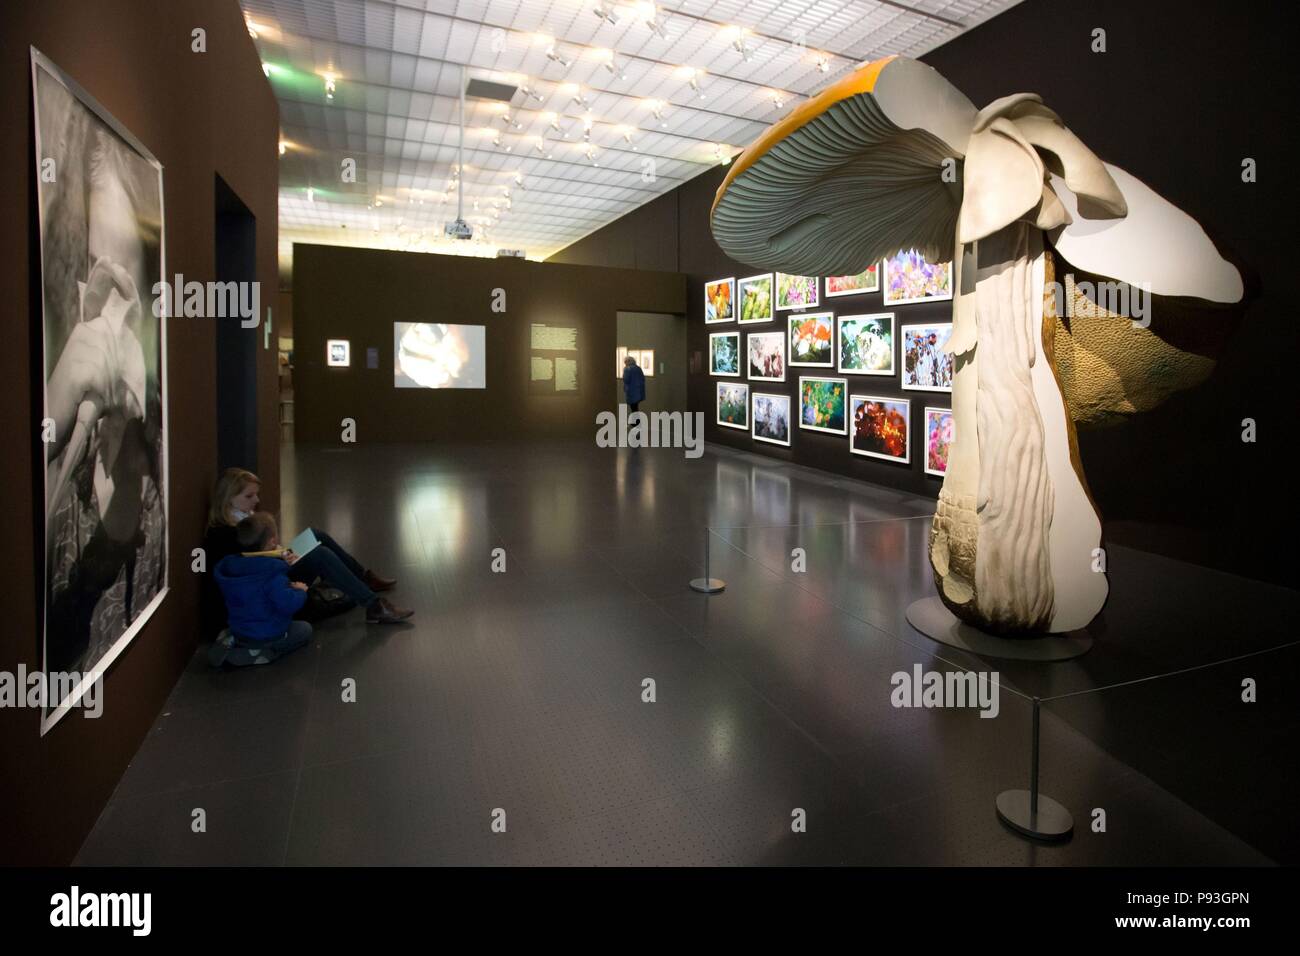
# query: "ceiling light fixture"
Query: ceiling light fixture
823,64
531,93
555,56
606,13
778,101
330,79
654,21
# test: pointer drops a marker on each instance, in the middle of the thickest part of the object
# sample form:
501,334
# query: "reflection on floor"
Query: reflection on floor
522,691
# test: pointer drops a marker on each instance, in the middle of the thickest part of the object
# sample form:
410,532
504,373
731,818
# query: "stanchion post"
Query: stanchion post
1028,812
706,584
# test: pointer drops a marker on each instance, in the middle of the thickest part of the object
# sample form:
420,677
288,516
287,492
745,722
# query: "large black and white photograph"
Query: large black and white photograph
100,203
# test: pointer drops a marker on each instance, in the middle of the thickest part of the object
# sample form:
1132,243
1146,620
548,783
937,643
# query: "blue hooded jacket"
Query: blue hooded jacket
259,599
634,384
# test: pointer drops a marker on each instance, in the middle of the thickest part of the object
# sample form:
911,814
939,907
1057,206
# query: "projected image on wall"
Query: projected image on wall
433,355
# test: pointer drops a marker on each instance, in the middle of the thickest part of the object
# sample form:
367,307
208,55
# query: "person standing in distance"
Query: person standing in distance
633,383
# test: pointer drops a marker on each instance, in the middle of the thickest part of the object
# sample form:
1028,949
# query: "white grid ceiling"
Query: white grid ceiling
398,67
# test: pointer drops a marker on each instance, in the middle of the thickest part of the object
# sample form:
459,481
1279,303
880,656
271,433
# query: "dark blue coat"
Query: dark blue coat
634,384
259,599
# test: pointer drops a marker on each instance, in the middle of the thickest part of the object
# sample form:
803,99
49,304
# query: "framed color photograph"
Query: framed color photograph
796,292
771,419
647,362
338,353
881,427
103,353
733,405
909,278
724,354
866,344
926,366
719,301
755,296
767,356
822,404
868,281
938,440
620,354
812,339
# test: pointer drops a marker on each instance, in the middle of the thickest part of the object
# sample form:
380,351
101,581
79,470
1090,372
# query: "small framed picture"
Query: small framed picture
647,362
938,440
724,354
719,301
755,297
733,405
766,356
770,419
868,281
881,427
822,404
910,278
866,344
812,339
338,353
796,292
926,366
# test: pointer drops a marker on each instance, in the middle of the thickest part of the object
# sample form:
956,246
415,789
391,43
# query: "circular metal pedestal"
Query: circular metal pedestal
1051,822
707,585
935,621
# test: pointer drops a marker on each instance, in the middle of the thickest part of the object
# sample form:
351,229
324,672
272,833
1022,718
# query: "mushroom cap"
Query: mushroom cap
851,176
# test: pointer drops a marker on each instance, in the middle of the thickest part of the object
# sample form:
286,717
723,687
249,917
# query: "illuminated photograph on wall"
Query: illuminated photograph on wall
724,353
755,298
101,253
938,440
338,353
771,419
647,362
719,300
435,355
821,404
812,339
866,344
733,405
868,281
881,427
926,366
767,356
620,356
796,292
909,278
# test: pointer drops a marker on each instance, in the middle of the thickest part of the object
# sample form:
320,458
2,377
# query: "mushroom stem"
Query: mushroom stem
1006,537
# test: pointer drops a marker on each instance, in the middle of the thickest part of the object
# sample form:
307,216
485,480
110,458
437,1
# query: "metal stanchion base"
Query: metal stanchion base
1052,822
708,585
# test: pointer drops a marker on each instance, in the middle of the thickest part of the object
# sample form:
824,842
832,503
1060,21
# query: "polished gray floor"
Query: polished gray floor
522,691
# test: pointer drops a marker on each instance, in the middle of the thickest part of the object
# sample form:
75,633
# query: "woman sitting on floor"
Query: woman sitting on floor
235,497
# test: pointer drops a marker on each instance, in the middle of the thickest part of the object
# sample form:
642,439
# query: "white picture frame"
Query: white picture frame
876,266
709,296
766,339
886,400
941,363
741,288
821,320
896,263
721,387
338,353
844,390
774,399
776,293
713,369
852,320
925,439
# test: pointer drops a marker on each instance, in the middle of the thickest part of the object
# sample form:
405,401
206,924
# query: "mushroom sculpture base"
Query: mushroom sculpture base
929,617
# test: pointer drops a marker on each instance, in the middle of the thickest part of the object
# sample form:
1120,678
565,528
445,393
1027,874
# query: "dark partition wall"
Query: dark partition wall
358,295
200,114
1182,95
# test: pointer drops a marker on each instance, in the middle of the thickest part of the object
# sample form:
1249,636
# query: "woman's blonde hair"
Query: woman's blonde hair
232,482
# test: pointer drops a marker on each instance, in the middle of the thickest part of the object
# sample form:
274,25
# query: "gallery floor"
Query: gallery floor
522,691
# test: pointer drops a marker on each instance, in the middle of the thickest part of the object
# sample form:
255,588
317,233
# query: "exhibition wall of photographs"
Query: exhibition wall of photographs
105,383
862,347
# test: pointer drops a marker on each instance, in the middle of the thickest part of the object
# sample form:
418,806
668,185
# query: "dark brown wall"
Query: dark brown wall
358,294
1182,95
200,115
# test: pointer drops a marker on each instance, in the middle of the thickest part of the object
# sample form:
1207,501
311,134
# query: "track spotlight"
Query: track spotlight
606,13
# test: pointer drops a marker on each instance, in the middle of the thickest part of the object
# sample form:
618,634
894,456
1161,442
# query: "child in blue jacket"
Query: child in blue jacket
260,598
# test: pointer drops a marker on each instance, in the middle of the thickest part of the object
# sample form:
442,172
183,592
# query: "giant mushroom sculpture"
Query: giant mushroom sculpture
1073,287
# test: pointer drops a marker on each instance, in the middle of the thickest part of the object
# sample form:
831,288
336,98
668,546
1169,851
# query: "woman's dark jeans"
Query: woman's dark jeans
336,567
